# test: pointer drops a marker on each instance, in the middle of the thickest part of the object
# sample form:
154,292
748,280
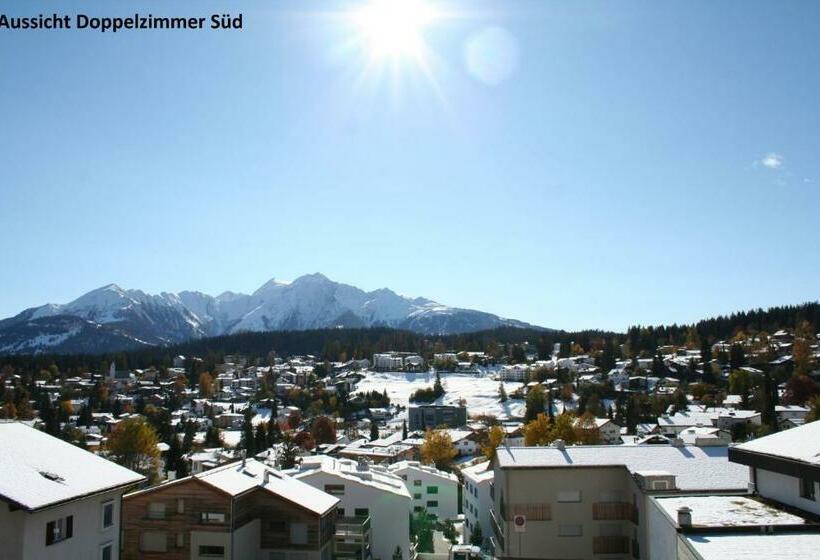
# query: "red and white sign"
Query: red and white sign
520,523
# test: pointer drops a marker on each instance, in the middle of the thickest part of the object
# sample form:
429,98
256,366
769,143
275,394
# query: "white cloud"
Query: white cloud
772,160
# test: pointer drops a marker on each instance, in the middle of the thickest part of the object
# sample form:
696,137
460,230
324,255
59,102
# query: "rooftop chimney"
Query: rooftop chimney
677,442
685,517
266,477
559,444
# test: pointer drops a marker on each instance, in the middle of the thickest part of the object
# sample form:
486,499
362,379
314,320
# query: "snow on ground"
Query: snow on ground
480,392
719,511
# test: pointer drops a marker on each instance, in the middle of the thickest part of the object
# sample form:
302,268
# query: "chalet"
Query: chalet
240,510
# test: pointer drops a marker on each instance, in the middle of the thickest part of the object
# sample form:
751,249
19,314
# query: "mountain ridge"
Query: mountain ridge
110,318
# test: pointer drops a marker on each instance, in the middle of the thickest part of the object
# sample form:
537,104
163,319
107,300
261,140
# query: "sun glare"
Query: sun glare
394,28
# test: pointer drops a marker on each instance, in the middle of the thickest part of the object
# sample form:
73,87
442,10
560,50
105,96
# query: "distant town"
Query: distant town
603,449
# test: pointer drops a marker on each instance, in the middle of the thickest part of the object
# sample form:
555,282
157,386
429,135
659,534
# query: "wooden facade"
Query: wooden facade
184,502
191,505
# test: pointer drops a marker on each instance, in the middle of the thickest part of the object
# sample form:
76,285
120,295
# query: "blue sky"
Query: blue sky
646,162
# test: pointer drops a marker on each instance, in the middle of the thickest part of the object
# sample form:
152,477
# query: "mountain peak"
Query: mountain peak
311,301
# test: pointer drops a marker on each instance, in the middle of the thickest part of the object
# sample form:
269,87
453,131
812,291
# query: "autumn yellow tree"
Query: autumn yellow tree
206,385
438,449
586,430
495,437
133,444
564,428
538,431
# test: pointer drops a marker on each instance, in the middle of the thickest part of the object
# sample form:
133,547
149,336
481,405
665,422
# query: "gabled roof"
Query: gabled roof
38,470
238,478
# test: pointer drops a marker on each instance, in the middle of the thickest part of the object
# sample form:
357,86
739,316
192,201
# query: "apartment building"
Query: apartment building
476,500
590,501
240,510
777,518
432,489
785,466
60,501
426,416
372,501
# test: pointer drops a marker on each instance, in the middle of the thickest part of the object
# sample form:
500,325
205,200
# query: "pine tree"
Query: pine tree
374,430
404,429
502,392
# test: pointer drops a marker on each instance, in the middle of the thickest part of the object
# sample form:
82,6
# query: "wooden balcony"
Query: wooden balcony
610,545
614,511
533,512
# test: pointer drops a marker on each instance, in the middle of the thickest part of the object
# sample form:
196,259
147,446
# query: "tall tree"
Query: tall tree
133,444
438,449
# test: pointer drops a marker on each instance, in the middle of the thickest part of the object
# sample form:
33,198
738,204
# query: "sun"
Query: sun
394,28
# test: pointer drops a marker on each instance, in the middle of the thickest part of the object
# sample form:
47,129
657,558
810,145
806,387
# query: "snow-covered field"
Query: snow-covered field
480,392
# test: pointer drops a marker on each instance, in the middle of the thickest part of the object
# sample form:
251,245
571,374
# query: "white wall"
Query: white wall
786,489
447,496
26,532
389,512
479,513
662,540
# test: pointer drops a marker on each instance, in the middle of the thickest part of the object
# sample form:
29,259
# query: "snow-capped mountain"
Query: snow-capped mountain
111,318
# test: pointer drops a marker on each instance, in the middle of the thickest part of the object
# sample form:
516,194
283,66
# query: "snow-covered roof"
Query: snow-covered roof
480,472
801,444
369,475
753,546
237,478
401,466
695,468
38,470
728,511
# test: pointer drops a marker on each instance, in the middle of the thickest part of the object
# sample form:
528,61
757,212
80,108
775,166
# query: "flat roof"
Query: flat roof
727,511
38,470
754,546
695,468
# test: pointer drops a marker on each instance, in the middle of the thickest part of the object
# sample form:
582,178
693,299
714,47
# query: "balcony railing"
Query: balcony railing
352,527
610,545
614,511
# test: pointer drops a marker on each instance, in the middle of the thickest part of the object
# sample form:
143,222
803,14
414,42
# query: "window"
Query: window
660,485
416,483
212,551
335,489
340,512
569,496
180,540
361,512
153,541
59,530
156,510
807,489
432,489
416,496
211,517
180,505
298,533
107,514
570,531
432,503
404,477
106,552
418,508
